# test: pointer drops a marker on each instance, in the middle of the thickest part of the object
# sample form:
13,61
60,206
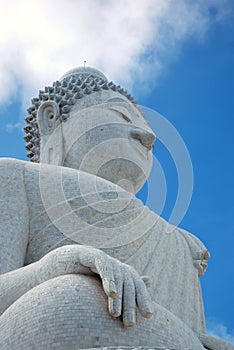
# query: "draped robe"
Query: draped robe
73,207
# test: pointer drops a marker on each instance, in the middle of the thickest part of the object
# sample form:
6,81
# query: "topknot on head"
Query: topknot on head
84,72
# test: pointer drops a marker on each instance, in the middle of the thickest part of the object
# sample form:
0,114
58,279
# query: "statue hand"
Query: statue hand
124,288
130,290
121,282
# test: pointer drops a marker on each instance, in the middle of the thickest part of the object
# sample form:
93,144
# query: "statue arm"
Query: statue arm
121,283
14,232
14,216
15,283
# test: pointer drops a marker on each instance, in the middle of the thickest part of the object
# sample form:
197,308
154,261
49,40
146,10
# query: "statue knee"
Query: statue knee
71,312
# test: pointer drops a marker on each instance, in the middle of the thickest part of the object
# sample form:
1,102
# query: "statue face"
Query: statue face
107,136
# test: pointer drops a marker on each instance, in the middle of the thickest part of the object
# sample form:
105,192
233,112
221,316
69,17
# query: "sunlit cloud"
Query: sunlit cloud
220,330
11,127
131,41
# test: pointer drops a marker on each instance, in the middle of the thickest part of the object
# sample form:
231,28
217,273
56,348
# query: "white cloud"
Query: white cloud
220,330
11,127
128,40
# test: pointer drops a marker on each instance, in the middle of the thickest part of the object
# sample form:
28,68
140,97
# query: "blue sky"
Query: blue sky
196,94
182,67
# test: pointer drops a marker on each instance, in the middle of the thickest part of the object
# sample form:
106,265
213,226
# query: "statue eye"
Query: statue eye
122,111
124,116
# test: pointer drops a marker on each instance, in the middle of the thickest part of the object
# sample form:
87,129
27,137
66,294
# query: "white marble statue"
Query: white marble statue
75,241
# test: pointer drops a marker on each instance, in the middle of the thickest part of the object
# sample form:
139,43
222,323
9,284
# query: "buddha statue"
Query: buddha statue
84,264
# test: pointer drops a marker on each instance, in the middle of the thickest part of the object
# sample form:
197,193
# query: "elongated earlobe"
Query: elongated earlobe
48,117
50,127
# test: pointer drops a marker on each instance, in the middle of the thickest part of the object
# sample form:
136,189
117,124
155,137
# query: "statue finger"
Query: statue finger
129,301
115,304
146,280
105,270
143,299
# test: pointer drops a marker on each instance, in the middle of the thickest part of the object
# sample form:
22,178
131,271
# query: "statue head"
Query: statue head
85,122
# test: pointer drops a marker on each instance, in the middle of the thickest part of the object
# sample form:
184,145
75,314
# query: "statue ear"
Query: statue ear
51,148
47,116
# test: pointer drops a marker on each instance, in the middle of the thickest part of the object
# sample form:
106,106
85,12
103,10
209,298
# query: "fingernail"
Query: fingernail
129,318
115,306
149,311
148,314
146,280
115,313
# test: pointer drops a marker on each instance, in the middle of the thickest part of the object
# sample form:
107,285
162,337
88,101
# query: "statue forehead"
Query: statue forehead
100,99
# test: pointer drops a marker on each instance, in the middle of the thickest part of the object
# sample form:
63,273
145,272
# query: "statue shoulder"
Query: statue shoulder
11,170
74,179
11,163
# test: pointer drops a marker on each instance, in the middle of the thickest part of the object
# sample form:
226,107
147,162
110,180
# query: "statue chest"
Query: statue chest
44,236
70,207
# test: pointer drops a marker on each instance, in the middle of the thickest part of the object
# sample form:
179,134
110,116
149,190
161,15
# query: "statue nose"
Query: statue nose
145,137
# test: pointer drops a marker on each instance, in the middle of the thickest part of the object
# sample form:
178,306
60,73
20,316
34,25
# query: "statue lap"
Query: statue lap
70,312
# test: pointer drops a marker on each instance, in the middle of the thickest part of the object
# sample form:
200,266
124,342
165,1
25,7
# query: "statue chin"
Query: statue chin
125,173
70,312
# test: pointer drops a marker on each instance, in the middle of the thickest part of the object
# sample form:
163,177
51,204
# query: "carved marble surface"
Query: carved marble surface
69,220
